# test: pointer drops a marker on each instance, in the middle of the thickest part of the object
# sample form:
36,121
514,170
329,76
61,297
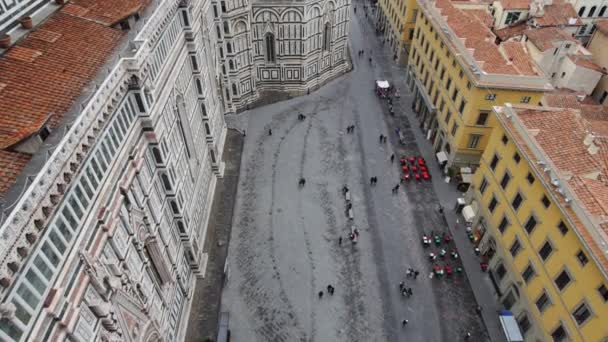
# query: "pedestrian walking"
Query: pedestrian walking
330,289
467,336
401,285
404,322
340,241
416,273
355,9
381,138
371,181
349,206
392,157
269,131
397,187
320,294
410,292
385,139
302,182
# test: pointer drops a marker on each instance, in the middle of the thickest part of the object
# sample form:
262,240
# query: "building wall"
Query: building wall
589,11
440,74
597,46
309,41
500,15
586,278
116,256
397,18
572,76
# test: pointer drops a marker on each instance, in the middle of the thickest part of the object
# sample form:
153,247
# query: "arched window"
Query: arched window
158,157
602,11
174,207
227,94
221,53
212,154
231,64
207,129
234,90
203,109
223,69
219,33
228,48
326,37
270,54
581,11
226,28
591,11
166,182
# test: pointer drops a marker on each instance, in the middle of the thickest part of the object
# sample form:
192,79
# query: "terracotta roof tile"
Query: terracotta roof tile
586,173
559,13
108,12
50,82
517,54
11,165
484,16
543,38
585,62
479,39
515,4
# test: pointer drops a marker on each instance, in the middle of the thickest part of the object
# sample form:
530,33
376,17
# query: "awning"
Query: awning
510,327
468,213
442,157
382,84
467,178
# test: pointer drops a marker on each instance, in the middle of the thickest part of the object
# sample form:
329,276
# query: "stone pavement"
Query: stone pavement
485,294
204,314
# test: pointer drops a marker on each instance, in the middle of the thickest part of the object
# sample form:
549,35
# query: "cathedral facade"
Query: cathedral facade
111,141
287,46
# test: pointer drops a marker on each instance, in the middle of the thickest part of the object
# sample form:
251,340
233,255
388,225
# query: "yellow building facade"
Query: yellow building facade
395,20
538,197
457,73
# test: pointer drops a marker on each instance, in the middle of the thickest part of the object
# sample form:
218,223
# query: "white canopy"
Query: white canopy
468,213
510,327
382,84
442,157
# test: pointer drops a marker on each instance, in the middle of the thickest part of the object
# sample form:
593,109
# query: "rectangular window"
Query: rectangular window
504,224
501,271
69,218
28,296
91,177
43,267
491,97
530,224
37,283
492,205
543,302
515,247
447,86
562,280
454,128
559,334
442,73
482,118
524,323
504,139
528,273
448,116
506,178
473,140
50,254
494,162
545,251
525,99
463,104
516,157
455,95
581,314
57,241
545,201
582,258
603,291
517,200
562,228
530,178
140,102
483,185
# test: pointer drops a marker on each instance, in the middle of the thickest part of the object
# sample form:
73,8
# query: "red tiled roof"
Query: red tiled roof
44,78
559,13
42,75
515,4
544,37
108,12
479,39
585,62
602,26
11,165
517,54
484,16
511,31
586,173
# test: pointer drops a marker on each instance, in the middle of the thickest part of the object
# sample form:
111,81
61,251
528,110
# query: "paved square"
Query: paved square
284,246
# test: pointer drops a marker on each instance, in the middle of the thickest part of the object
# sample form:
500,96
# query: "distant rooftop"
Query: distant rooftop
574,146
544,37
559,13
515,4
480,43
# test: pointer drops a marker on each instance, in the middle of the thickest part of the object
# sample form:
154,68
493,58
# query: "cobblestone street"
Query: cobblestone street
284,246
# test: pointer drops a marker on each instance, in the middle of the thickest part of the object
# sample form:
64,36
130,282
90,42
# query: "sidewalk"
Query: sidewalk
480,282
204,315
